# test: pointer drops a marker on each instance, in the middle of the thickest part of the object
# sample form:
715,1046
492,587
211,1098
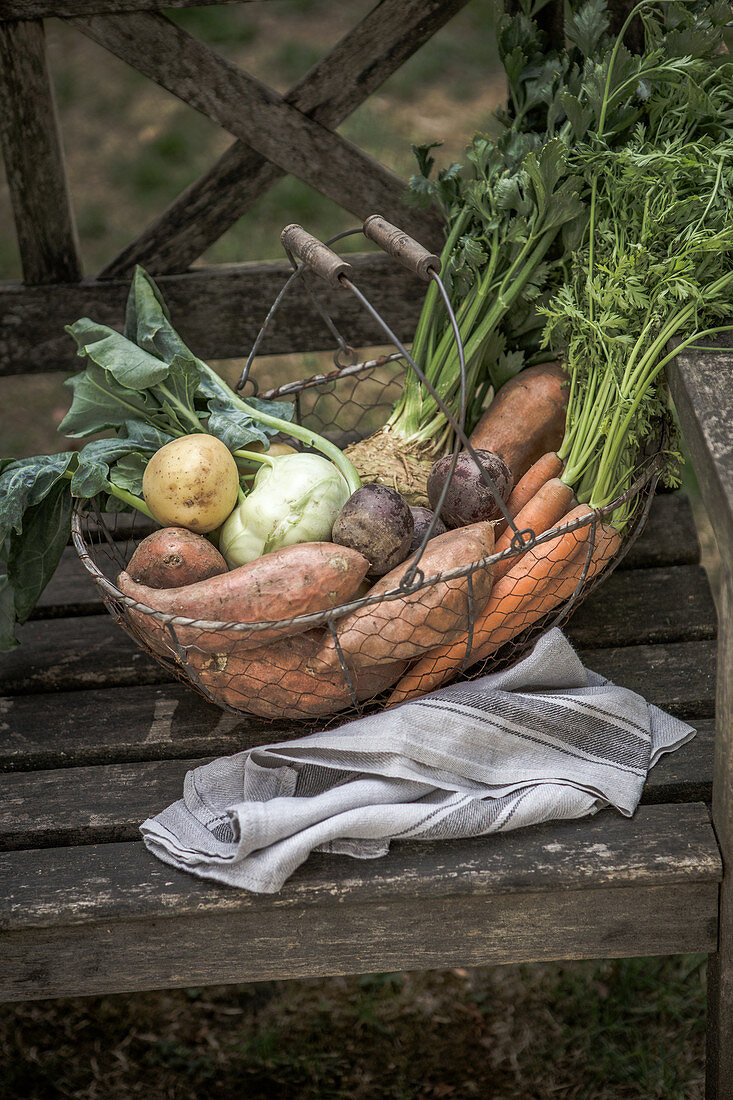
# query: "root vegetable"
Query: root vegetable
295,677
422,518
411,624
297,580
377,522
469,499
526,419
174,557
551,502
542,579
546,467
191,482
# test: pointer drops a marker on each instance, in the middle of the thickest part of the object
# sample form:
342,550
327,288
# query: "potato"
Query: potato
192,482
174,557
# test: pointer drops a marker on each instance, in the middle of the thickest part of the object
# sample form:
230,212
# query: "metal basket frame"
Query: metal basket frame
413,580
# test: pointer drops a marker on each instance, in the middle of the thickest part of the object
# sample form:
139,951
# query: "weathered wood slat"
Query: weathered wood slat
38,9
259,116
151,722
102,804
34,160
703,397
217,310
670,539
328,93
355,939
92,651
656,605
122,881
679,678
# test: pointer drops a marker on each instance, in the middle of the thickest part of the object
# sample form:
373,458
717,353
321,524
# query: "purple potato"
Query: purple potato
469,499
377,522
422,518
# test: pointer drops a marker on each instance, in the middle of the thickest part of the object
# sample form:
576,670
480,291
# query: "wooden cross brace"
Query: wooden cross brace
276,134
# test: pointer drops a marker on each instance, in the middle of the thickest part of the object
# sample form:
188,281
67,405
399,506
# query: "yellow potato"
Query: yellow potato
192,482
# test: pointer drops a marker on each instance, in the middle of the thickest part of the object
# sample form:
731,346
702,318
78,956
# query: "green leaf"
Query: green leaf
236,429
147,321
150,437
100,402
24,483
8,640
128,364
128,473
32,559
586,27
92,473
425,162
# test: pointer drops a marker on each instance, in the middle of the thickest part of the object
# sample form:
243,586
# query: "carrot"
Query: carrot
540,580
546,467
546,508
526,419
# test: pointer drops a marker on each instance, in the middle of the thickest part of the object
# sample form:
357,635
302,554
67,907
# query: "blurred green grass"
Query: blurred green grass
628,1029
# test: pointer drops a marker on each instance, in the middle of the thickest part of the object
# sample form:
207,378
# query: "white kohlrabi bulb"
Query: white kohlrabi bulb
296,499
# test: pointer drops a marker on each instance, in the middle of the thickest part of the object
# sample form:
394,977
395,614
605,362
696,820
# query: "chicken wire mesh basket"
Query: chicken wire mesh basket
454,609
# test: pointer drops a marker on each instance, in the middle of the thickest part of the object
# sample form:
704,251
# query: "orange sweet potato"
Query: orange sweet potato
173,557
296,580
410,625
526,419
295,677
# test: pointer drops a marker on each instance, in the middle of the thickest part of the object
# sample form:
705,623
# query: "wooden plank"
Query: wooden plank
656,605
703,396
34,160
39,9
719,1080
658,846
92,651
679,678
259,116
386,37
104,726
96,805
669,538
218,311
71,591
115,957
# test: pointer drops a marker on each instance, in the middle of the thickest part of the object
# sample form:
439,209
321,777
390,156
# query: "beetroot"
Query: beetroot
469,499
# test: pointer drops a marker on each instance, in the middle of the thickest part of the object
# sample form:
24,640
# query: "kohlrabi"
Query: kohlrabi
294,498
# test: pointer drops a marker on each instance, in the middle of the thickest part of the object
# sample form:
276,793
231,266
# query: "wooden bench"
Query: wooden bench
95,737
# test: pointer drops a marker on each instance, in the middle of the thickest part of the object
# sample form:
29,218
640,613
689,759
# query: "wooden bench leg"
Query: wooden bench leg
719,1078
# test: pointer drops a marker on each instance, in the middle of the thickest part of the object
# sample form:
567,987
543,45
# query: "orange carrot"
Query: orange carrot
547,467
547,507
540,580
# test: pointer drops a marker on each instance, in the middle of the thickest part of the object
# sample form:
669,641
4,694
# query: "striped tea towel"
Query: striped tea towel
541,741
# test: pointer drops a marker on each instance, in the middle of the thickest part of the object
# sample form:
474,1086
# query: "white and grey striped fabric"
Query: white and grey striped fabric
544,740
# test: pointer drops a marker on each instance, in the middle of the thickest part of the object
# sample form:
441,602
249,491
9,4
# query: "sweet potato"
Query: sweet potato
173,557
295,580
526,419
408,626
295,677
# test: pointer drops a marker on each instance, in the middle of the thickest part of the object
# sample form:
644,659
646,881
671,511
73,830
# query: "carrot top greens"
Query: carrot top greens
655,265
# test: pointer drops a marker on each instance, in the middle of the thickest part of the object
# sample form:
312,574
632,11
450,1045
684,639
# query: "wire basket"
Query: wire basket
434,619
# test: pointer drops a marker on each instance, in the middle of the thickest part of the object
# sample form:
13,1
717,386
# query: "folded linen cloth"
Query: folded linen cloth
544,740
